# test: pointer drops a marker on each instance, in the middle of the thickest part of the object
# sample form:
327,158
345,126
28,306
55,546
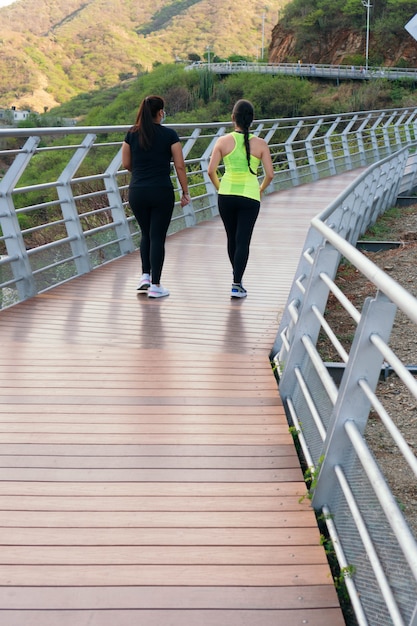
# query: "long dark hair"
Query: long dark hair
144,123
243,116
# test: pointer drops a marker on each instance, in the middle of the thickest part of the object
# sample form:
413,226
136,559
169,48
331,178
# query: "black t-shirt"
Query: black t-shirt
152,167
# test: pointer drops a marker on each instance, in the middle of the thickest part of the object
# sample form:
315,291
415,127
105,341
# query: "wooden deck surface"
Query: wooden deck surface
147,475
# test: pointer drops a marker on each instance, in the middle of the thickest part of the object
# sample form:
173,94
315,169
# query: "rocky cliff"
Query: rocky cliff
338,46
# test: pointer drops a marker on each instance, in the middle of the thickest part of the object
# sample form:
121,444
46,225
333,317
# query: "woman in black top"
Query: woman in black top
147,151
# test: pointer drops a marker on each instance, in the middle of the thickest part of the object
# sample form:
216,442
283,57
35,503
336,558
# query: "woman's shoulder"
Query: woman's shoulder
171,133
228,138
257,139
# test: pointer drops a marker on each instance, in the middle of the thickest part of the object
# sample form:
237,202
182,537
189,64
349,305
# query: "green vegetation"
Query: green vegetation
195,96
381,230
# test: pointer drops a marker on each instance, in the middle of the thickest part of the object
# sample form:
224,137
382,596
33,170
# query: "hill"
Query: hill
335,32
52,50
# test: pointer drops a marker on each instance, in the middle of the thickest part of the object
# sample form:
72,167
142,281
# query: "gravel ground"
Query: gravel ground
401,264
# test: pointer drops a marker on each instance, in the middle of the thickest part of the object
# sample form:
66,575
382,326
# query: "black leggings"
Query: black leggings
239,215
153,209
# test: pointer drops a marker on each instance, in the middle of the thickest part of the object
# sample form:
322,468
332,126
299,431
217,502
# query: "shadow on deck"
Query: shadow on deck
147,475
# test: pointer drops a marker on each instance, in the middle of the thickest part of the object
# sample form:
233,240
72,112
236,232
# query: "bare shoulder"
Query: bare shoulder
225,144
258,146
258,141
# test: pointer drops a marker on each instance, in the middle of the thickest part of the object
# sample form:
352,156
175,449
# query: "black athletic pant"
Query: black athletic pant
152,207
239,215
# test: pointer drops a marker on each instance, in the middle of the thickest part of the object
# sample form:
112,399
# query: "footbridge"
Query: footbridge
308,70
153,453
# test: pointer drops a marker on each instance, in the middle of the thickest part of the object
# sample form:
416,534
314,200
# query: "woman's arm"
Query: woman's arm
267,165
126,156
179,164
216,157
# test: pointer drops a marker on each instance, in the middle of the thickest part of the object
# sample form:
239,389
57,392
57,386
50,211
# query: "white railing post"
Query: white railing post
364,362
386,134
116,207
310,150
188,211
69,207
328,145
414,618
295,300
345,142
374,138
360,139
289,151
13,238
316,293
409,128
205,158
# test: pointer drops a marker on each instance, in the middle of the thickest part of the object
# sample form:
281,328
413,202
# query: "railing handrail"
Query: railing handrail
58,131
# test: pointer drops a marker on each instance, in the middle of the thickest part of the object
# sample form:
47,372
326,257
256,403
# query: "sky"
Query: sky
4,3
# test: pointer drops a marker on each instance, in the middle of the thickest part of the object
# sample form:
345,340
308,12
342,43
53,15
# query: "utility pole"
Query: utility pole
367,4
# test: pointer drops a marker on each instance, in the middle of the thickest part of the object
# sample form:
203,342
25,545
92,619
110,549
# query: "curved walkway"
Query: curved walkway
147,475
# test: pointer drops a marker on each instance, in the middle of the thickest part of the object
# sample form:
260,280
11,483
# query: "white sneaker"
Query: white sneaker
238,291
157,292
144,283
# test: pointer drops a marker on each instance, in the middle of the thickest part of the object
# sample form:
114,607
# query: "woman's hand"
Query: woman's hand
185,199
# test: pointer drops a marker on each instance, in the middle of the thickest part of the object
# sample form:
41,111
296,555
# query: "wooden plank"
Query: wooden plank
151,503
153,488
172,597
185,575
140,439
195,411
170,519
148,428
128,450
146,462
303,536
162,555
312,617
165,475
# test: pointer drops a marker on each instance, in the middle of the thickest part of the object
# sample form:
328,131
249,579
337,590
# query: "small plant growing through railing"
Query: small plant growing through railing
340,581
339,574
311,475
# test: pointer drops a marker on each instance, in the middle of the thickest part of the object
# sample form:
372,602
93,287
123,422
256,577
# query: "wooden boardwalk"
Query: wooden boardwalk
147,475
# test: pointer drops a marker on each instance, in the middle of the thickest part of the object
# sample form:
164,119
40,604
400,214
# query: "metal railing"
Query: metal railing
374,543
63,194
308,70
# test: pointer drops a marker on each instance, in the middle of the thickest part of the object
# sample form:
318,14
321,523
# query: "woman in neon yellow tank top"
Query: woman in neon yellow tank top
239,191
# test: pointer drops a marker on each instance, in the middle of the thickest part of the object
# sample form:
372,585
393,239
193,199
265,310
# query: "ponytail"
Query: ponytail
144,123
243,116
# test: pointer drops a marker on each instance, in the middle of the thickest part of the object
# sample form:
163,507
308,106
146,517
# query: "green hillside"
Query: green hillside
52,50
196,96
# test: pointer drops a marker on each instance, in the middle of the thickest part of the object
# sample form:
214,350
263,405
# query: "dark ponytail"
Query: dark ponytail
243,116
145,123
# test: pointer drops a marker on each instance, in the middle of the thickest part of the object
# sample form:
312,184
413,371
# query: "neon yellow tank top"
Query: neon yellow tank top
237,179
